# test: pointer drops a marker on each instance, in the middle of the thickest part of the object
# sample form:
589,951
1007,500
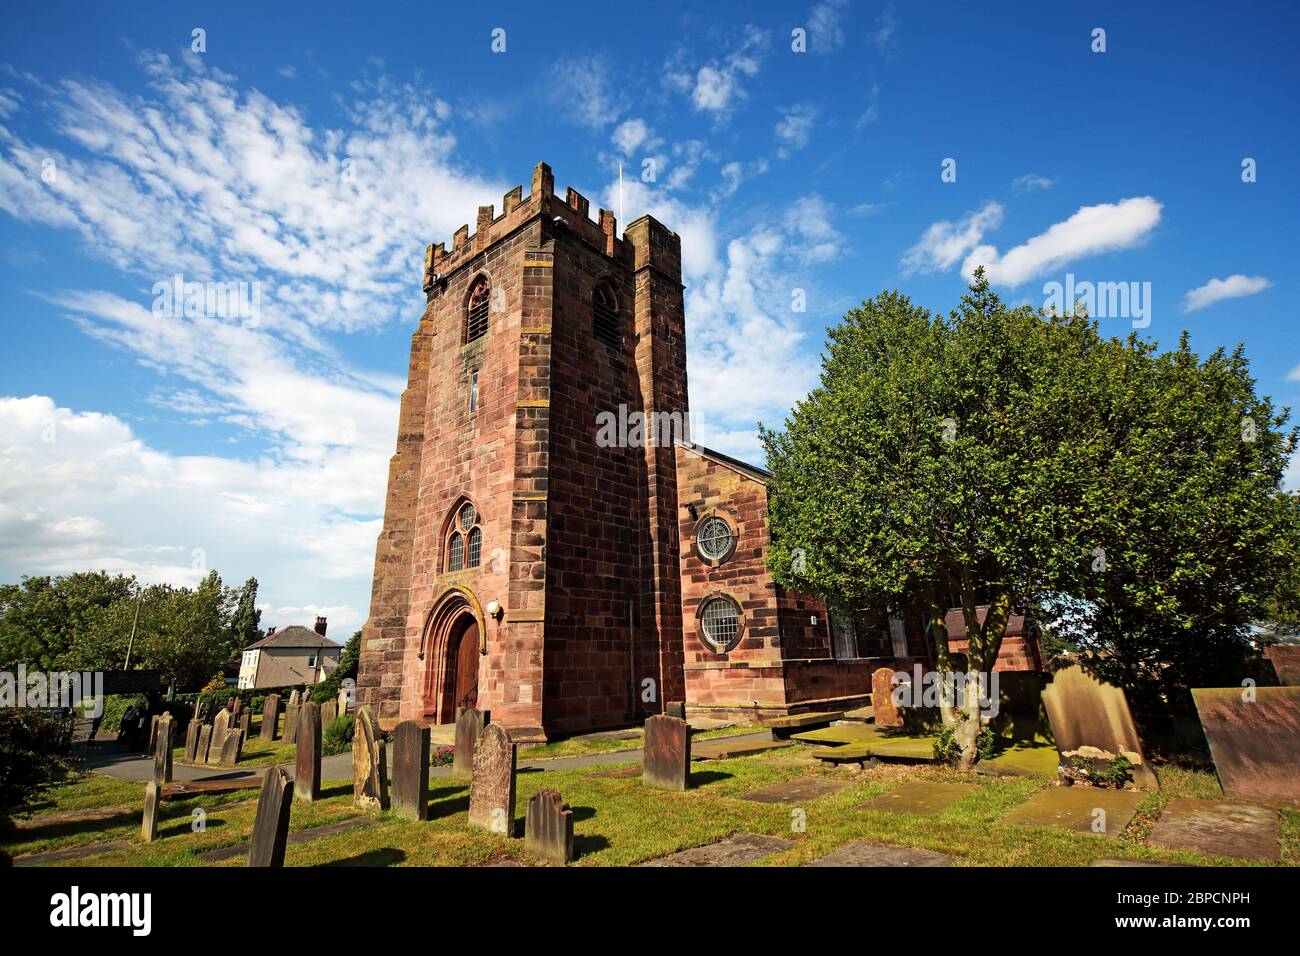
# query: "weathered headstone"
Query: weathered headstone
192,740
295,698
343,701
236,708
271,825
675,708
329,711
667,755
469,724
149,825
271,718
492,783
291,715
205,744
548,827
232,747
1285,659
306,780
200,709
153,731
1084,712
410,769
220,727
162,750
369,764
882,698
1254,738
246,723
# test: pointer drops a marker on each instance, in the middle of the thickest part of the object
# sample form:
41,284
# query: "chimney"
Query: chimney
320,625
270,630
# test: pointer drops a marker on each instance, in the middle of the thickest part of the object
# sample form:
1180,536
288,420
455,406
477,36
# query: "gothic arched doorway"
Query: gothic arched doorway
451,648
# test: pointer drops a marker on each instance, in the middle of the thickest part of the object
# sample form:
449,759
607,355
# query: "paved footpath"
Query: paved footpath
115,760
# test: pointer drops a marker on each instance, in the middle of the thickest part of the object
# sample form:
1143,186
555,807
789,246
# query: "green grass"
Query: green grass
618,822
584,745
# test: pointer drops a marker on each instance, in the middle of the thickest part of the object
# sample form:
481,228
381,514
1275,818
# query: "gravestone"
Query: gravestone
469,724
236,708
1254,738
675,708
1218,828
192,740
291,715
205,744
739,849
369,764
328,712
1285,659
667,755
162,750
862,853
246,723
153,731
410,769
800,790
306,781
200,710
220,727
295,698
149,825
232,747
271,718
492,782
1091,810
271,825
548,827
882,698
1084,712
343,701
922,797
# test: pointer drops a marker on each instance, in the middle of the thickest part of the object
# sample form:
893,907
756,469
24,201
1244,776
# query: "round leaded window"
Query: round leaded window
467,517
720,622
713,538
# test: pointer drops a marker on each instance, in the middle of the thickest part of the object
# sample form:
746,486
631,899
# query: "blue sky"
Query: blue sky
315,149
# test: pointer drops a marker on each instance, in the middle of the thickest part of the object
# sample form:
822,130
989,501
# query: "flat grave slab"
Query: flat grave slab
1117,861
722,749
797,790
1218,828
861,853
295,836
73,853
736,850
40,821
923,797
1075,808
182,790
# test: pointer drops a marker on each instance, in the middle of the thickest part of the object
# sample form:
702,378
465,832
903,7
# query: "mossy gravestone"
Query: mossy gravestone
205,743
291,715
369,764
306,780
270,717
410,770
232,747
271,825
162,750
192,733
548,827
329,712
666,762
1084,712
882,698
469,724
492,783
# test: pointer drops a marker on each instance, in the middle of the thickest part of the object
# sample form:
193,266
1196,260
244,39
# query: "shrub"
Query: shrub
443,757
34,746
337,737
115,705
947,749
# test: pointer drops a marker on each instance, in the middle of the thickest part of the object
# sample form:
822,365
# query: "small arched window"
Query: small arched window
476,310
465,538
605,322
456,552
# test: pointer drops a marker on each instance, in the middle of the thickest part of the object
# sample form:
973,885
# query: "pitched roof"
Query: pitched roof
293,636
735,464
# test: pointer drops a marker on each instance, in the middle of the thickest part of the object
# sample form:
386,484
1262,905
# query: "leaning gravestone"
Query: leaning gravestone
271,825
667,755
192,740
329,712
1085,713
369,764
1254,737
271,718
882,698
232,747
220,727
291,715
492,783
205,744
410,769
343,701
162,751
548,827
306,781
149,825
153,731
469,724
1285,659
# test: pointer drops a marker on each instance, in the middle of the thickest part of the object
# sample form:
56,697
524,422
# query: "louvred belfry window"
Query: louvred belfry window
606,325
476,312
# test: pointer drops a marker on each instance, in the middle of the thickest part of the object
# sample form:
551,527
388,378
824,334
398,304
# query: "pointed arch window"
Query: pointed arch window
456,552
465,538
605,322
476,309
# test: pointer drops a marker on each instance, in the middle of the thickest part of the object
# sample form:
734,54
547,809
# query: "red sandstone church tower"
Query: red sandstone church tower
524,567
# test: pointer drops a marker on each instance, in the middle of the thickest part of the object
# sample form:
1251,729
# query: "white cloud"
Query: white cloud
630,134
826,26
944,243
1216,290
809,219
587,92
883,36
1030,182
794,127
718,86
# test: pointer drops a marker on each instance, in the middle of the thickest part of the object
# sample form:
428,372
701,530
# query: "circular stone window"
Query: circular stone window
713,538
720,623
467,516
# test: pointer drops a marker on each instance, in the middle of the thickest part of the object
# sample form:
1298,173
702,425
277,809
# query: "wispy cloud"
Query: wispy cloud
1216,290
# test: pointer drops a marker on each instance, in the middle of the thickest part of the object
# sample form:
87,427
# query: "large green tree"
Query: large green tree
993,453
